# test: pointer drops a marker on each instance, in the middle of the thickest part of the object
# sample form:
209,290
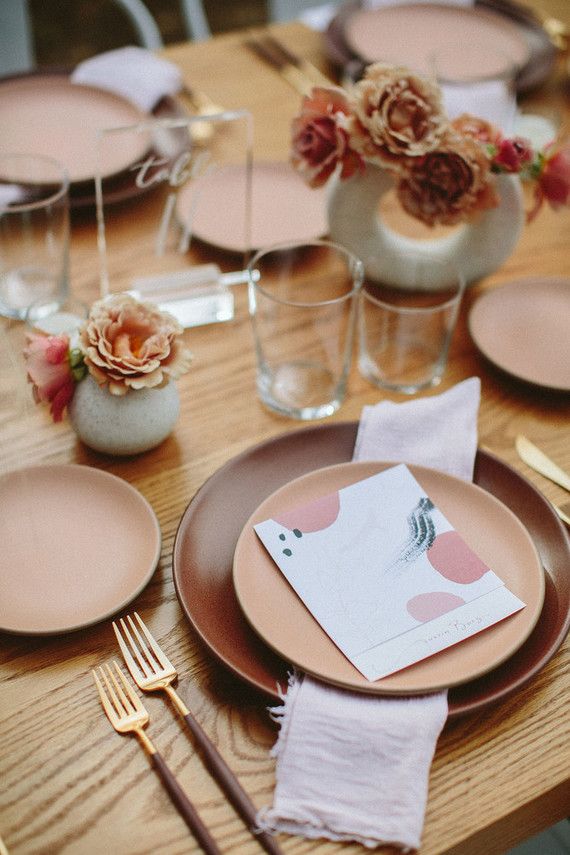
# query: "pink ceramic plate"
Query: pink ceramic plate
284,208
376,34
78,544
48,114
279,616
523,328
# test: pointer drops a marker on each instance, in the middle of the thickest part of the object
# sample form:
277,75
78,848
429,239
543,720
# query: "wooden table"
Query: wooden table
69,783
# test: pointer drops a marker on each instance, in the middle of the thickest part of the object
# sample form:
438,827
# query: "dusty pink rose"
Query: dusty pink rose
49,369
512,155
554,182
132,345
319,142
448,185
396,114
467,125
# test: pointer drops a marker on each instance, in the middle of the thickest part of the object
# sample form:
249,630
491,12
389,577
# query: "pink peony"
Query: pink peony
480,129
397,115
49,369
132,345
319,142
448,185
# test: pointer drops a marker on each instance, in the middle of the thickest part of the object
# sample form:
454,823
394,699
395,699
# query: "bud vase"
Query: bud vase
122,425
477,248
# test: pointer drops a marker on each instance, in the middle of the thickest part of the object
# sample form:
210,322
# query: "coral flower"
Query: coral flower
49,369
554,182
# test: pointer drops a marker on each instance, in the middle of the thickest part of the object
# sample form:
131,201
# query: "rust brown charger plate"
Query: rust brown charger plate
210,527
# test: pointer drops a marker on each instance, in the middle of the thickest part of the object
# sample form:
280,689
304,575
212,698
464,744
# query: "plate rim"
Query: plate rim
375,687
344,432
92,472
492,294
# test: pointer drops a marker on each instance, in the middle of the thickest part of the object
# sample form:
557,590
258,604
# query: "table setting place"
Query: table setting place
285,465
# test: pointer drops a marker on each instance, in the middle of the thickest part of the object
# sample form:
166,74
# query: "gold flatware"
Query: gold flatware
152,671
127,714
294,75
314,74
538,460
201,105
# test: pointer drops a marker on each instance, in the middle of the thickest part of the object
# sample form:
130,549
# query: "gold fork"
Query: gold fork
127,714
152,671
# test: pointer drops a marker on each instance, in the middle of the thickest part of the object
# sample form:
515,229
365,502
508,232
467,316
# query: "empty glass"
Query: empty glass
34,232
303,301
404,335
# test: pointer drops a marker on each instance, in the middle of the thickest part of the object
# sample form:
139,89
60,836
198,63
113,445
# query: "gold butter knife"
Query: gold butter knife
537,460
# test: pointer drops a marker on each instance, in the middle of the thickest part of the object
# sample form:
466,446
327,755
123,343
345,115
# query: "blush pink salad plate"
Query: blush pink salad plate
69,116
209,530
78,544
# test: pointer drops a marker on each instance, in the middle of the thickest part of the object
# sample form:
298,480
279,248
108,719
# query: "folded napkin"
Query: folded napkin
133,72
353,766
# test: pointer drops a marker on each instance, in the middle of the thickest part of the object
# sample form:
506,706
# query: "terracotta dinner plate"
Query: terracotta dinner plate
510,23
283,207
524,329
76,545
210,527
281,619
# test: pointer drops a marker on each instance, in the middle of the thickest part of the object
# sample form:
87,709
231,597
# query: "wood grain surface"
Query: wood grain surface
69,783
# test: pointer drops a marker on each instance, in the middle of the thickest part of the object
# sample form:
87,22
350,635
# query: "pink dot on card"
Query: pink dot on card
450,556
312,517
426,607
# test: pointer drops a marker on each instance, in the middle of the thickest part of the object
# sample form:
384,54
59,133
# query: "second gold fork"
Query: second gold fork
152,671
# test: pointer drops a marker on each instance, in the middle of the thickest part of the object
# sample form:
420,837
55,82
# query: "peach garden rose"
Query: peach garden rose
132,345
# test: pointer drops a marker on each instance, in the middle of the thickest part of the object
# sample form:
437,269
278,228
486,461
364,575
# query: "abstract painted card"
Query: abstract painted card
382,570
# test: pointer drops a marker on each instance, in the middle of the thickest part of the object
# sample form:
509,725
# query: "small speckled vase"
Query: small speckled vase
131,424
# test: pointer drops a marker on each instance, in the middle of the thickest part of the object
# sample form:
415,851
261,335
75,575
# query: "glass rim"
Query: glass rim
358,276
455,299
57,194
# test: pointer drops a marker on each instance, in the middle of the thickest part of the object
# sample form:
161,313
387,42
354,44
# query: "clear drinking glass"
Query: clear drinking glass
303,302
404,335
34,232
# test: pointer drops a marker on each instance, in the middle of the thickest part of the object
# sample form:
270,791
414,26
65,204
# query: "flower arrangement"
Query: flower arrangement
124,345
443,169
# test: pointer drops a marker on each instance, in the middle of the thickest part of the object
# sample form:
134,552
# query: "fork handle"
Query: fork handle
185,806
229,784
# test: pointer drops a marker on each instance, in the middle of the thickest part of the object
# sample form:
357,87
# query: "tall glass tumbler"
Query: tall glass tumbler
34,232
303,304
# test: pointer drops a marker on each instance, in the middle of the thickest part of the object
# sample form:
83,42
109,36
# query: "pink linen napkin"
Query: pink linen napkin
133,72
356,767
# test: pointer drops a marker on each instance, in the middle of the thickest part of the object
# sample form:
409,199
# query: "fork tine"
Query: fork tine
152,662
130,703
135,670
107,706
158,651
110,689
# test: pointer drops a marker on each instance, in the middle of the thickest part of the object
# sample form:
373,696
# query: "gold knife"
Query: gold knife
537,460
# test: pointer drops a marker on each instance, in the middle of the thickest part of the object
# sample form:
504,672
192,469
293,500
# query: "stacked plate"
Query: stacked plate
358,35
45,113
251,621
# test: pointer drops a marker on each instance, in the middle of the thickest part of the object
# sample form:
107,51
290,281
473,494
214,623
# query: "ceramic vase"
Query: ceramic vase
477,247
131,424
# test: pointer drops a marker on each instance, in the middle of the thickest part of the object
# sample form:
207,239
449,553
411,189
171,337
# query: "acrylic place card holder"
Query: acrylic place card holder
173,190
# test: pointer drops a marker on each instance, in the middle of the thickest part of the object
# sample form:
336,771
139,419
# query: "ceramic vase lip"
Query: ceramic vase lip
477,248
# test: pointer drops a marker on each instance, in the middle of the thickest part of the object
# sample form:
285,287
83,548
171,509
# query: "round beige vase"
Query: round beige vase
477,248
131,424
